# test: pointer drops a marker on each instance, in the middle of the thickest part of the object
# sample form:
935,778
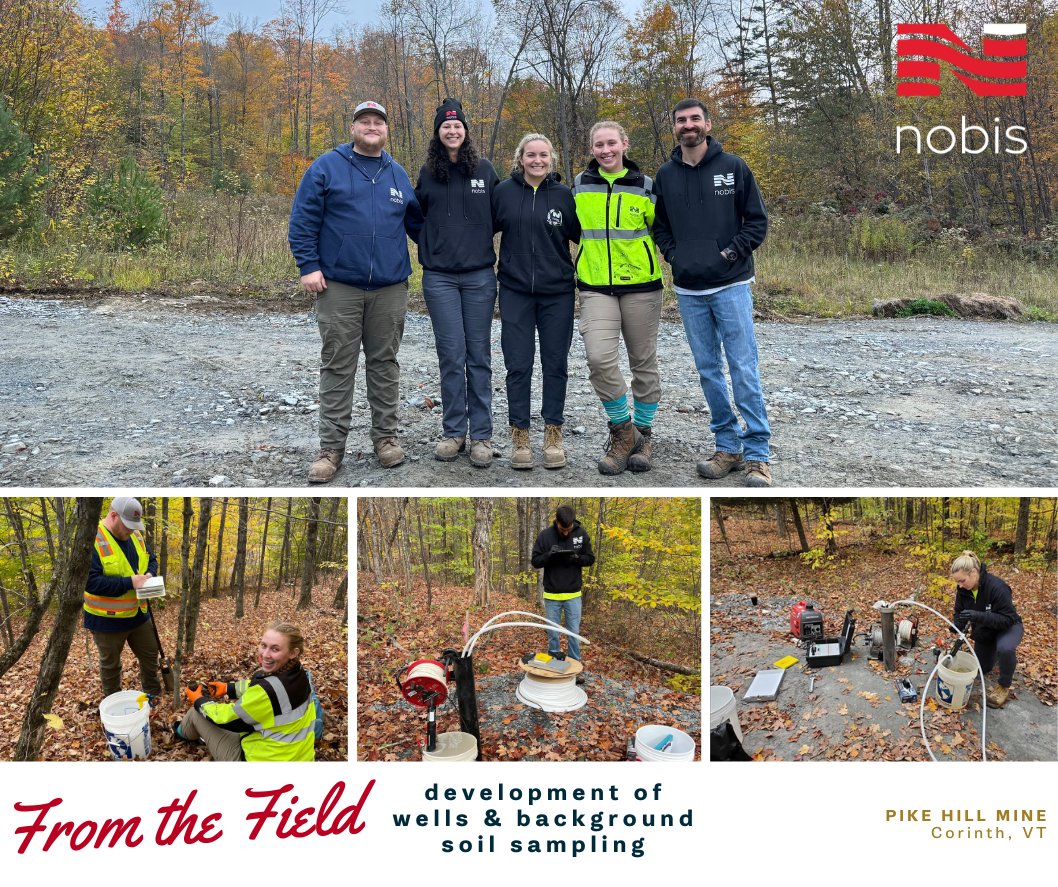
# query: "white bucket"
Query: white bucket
955,678
454,746
127,725
723,707
648,738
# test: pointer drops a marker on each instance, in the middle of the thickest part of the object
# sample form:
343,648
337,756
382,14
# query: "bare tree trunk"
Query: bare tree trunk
185,593
284,551
425,559
264,551
308,566
482,555
163,540
215,589
47,530
238,572
194,592
795,511
70,586
1021,534
719,515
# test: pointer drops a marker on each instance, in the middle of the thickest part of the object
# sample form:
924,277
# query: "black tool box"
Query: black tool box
831,651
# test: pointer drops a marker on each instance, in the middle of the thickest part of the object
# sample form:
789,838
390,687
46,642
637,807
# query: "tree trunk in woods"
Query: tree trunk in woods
238,572
342,594
796,513
308,565
70,585
1021,534
61,526
284,549
185,593
720,523
482,555
47,530
215,589
264,551
425,561
163,541
194,592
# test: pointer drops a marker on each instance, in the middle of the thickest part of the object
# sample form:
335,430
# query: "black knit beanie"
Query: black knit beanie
449,109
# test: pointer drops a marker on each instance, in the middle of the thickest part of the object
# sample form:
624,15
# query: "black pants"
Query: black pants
990,646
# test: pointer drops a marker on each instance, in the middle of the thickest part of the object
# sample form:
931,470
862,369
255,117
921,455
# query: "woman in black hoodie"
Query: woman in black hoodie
455,190
538,220
986,602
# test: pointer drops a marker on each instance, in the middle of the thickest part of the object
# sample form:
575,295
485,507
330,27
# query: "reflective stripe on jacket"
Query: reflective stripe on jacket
274,711
116,564
617,251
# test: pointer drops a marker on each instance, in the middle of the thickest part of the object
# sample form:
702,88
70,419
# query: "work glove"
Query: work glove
217,689
194,692
556,551
970,616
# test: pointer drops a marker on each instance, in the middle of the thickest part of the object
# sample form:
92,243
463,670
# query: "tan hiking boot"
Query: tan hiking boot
554,454
521,449
326,466
720,465
624,440
758,474
640,461
389,452
997,697
449,449
481,453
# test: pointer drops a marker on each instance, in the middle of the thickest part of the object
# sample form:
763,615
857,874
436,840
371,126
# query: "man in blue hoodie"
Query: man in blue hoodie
708,220
352,215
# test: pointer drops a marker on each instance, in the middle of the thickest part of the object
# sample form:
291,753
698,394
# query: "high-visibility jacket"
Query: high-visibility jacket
617,253
275,713
115,563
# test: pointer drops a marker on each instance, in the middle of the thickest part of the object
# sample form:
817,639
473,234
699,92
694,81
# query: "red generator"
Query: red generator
806,622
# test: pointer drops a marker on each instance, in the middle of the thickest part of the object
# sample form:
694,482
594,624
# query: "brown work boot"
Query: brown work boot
521,449
554,455
719,465
640,461
624,440
449,449
326,465
389,452
481,453
758,474
997,696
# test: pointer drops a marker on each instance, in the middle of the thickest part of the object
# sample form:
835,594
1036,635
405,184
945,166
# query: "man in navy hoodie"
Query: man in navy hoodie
708,219
352,215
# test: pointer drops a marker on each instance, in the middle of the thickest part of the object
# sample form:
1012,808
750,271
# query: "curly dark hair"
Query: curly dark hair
437,161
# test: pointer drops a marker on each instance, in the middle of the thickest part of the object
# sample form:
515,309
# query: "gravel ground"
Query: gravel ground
166,392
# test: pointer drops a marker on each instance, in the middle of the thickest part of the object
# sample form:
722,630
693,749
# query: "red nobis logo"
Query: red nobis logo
1001,68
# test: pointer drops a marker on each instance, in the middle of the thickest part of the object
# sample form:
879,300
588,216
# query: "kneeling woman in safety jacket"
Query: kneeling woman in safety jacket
619,277
985,601
272,715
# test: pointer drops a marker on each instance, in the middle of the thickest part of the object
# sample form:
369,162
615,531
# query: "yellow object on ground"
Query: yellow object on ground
542,657
786,662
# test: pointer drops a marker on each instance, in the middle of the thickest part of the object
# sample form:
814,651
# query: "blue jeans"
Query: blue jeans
461,307
726,319
553,610
523,316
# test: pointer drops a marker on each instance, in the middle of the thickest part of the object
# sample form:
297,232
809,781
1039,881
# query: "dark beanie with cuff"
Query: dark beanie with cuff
449,109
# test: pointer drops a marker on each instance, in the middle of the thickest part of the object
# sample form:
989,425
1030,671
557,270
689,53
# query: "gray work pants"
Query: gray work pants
141,641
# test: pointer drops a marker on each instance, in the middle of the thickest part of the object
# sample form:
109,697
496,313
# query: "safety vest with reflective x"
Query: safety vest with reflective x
116,564
274,711
617,252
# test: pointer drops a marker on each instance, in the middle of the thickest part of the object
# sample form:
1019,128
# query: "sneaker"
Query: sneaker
481,453
624,440
326,466
719,465
640,461
758,474
389,452
449,449
997,697
554,454
521,449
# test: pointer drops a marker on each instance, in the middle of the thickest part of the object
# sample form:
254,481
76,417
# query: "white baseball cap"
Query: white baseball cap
130,511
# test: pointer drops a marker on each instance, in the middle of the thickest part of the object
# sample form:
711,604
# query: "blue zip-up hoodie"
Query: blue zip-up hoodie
352,226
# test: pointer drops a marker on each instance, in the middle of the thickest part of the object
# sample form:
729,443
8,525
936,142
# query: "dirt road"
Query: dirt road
163,392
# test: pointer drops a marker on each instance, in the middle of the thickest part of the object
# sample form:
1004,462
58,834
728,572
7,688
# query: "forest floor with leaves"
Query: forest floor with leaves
226,394
395,628
225,649
853,711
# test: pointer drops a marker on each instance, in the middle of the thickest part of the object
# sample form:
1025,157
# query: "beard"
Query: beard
693,138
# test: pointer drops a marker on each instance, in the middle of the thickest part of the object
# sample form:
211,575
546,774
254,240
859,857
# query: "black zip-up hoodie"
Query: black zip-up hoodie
562,573
537,228
457,236
994,601
701,211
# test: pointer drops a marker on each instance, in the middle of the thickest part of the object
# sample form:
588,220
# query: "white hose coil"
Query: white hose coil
468,648
551,694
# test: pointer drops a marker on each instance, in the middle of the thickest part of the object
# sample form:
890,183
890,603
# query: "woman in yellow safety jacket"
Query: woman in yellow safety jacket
271,716
619,278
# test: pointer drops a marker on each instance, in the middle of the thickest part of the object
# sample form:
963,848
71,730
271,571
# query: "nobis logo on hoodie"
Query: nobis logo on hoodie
554,217
396,196
477,186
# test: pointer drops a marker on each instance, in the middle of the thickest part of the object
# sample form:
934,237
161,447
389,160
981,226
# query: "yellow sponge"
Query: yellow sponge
542,657
786,662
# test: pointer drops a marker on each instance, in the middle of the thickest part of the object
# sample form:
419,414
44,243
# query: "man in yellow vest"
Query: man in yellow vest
121,563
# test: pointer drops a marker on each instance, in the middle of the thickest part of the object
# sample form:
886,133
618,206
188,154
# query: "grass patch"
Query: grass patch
926,306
